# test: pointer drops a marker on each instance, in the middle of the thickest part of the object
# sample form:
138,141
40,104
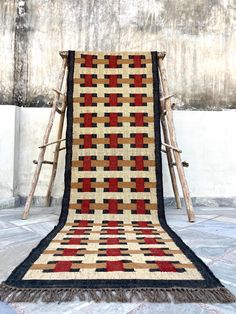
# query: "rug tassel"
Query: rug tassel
178,295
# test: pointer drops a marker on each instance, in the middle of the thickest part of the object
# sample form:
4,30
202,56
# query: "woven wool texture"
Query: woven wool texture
112,236
112,229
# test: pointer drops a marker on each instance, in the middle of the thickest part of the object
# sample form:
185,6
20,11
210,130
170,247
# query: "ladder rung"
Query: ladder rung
167,97
58,110
43,162
59,92
172,147
160,54
51,143
184,164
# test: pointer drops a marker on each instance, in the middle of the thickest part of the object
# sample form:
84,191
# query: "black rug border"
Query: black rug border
15,279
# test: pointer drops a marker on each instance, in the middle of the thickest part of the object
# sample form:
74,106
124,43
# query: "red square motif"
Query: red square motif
111,241
88,99
150,240
62,266
88,61
113,184
156,252
69,252
137,61
112,62
138,80
88,120
75,241
87,163
113,252
86,184
88,80
112,206
166,266
113,117
114,266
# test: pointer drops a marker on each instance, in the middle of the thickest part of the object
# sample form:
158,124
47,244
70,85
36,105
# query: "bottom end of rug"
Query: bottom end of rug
158,295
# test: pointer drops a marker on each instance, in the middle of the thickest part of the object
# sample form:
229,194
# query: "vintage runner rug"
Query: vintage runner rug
112,242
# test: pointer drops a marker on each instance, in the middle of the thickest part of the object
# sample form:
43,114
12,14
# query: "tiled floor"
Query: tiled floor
212,237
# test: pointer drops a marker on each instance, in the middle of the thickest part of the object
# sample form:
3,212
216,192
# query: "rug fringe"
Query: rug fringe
176,295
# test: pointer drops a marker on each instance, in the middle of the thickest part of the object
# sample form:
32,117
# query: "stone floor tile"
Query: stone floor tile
7,309
12,256
216,227
226,219
42,228
16,235
34,220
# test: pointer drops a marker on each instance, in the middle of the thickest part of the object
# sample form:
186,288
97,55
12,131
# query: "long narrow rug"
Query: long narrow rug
112,242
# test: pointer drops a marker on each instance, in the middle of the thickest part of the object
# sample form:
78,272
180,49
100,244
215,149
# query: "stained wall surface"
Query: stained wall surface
199,38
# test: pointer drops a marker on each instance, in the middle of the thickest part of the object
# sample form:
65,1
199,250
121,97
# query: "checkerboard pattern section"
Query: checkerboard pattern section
112,229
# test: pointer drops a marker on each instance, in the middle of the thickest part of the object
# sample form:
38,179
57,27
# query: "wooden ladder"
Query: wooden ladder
170,147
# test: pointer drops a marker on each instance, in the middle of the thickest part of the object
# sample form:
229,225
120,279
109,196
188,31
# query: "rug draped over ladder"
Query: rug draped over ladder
112,242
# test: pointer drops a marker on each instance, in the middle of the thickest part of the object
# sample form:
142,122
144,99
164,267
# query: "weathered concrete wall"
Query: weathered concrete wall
7,149
199,37
7,35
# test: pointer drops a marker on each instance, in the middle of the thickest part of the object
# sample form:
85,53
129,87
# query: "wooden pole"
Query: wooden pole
160,54
45,141
173,142
168,152
170,163
56,154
